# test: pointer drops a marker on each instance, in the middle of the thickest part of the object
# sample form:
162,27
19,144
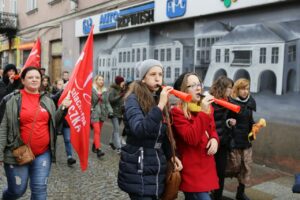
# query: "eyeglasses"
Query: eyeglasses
195,86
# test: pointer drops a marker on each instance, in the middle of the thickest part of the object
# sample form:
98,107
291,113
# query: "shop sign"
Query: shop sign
117,19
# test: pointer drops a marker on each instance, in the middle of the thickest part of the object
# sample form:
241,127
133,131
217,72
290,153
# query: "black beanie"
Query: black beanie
9,67
179,80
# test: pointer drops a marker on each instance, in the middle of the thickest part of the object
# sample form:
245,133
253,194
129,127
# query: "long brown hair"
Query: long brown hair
143,94
219,86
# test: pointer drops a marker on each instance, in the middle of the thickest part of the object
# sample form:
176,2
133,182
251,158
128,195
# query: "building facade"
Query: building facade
251,38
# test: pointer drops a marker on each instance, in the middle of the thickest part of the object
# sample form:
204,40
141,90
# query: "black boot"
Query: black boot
240,195
99,153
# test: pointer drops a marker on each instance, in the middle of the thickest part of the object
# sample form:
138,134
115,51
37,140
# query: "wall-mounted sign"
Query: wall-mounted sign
166,10
176,8
117,19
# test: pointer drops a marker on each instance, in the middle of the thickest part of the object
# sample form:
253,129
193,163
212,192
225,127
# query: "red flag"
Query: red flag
80,88
34,58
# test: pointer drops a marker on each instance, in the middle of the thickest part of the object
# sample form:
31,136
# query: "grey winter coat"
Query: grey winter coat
100,108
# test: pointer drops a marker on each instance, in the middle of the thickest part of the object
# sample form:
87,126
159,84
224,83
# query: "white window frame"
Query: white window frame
31,5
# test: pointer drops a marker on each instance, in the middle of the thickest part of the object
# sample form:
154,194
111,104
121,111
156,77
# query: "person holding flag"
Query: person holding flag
79,112
29,118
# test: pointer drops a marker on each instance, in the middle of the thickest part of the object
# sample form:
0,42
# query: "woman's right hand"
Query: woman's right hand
164,96
205,103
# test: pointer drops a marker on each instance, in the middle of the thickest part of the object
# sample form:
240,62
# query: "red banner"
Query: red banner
80,88
34,58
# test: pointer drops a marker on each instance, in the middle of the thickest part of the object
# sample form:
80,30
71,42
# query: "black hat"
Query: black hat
179,80
9,67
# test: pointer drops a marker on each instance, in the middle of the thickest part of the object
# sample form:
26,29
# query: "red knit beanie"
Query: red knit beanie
119,80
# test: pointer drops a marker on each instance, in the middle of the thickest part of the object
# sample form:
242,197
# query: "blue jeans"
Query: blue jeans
67,140
18,175
115,138
197,196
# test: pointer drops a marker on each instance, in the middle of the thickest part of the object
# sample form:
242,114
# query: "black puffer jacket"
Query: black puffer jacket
142,166
220,117
244,122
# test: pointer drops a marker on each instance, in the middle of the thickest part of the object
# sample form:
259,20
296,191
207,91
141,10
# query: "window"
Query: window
108,62
99,60
120,72
203,42
124,72
292,53
177,72
262,55
207,56
144,53
218,55
198,55
120,57
212,41
199,43
13,6
202,57
156,54
162,55
169,54
133,56
242,58
1,5
208,42
103,62
275,52
128,56
138,55
132,72
226,56
128,73
168,74
124,56
31,5
177,54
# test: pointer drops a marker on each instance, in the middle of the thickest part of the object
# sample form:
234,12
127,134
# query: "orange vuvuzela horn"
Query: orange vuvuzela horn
181,95
229,106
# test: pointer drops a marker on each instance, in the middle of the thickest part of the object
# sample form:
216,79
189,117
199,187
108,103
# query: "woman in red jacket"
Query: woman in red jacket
196,139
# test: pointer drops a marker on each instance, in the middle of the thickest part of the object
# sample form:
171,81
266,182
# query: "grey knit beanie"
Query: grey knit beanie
146,65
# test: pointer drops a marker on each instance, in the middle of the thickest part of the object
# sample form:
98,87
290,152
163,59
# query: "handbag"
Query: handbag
23,154
173,177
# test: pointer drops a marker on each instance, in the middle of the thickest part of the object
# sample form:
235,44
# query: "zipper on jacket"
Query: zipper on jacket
158,161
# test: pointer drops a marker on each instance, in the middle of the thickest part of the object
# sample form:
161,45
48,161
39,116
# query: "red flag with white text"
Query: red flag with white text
34,58
80,87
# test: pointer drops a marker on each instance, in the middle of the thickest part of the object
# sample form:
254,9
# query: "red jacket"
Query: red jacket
199,169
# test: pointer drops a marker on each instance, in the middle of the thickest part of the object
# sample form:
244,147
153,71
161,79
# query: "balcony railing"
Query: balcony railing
8,22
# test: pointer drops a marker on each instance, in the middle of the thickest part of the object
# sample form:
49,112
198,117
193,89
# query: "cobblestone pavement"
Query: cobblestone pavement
99,181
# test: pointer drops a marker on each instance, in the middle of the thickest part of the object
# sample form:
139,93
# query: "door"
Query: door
55,68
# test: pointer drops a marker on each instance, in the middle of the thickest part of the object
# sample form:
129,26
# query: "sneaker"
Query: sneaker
94,148
100,153
112,146
71,161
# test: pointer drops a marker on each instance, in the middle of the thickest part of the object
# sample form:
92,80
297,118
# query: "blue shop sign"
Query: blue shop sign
176,8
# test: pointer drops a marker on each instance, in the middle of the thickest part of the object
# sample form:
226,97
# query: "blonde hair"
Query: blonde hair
96,78
239,84
184,88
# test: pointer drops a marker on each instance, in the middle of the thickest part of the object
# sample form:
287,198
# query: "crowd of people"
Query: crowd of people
211,141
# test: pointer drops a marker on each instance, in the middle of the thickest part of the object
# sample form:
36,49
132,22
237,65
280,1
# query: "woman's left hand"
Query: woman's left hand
67,101
212,146
177,164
